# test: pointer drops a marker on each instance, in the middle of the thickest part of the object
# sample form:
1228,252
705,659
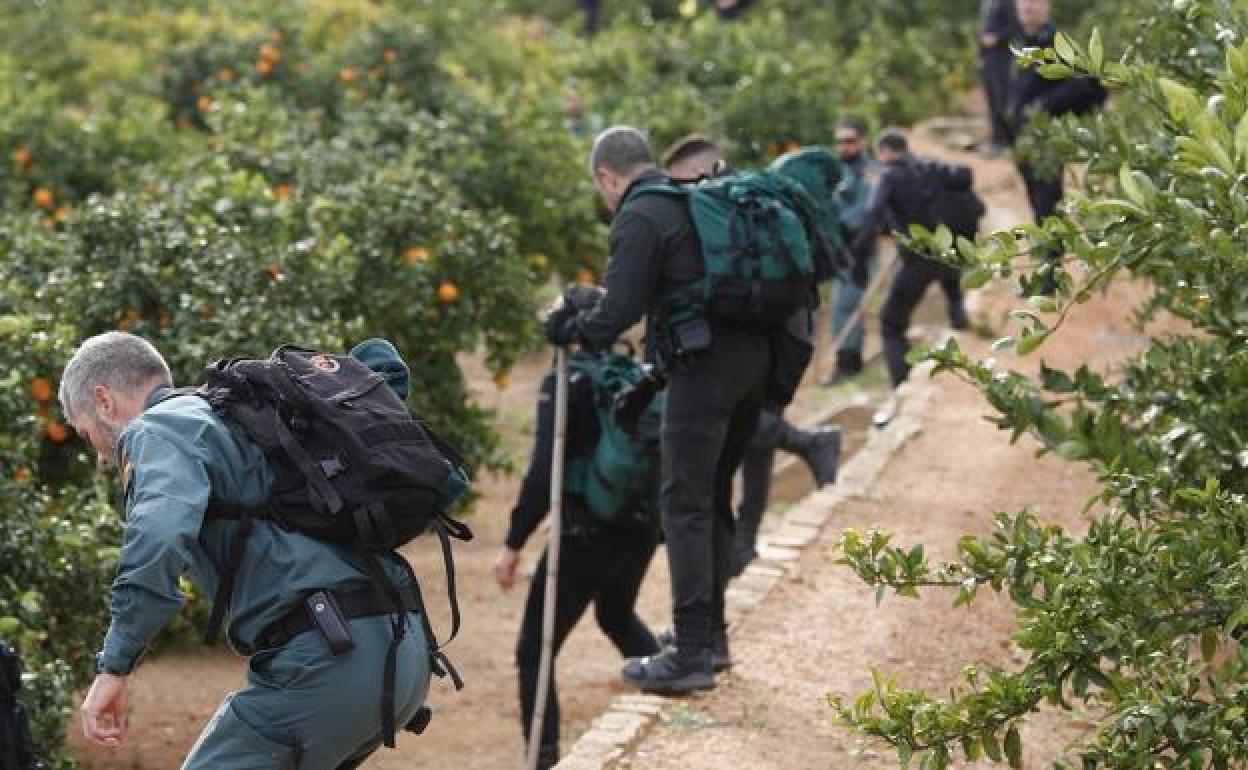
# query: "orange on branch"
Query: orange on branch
44,198
204,103
41,389
346,75
390,55
225,75
448,293
270,53
414,255
264,68
22,474
56,432
22,158
282,190
585,276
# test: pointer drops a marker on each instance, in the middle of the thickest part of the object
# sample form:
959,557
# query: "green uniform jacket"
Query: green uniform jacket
174,458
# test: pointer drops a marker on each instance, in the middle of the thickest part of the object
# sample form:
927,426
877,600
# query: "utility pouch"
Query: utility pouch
693,336
328,619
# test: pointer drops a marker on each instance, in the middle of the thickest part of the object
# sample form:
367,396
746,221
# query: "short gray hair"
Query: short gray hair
118,360
621,149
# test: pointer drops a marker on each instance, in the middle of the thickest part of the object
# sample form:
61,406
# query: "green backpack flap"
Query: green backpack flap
820,173
754,230
620,475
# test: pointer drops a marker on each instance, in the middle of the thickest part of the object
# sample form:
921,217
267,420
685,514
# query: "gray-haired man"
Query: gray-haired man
302,707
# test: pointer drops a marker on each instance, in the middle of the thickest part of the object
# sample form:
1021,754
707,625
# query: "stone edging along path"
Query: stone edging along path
624,724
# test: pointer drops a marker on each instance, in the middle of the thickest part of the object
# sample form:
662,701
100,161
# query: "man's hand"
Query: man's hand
561,327
104,710
989,40
505,567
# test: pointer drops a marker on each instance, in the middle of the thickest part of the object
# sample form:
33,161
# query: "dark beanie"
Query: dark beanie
382,357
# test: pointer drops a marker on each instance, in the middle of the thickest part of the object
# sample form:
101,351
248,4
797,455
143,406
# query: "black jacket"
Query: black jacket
902,196
582,436
1032,91
653,248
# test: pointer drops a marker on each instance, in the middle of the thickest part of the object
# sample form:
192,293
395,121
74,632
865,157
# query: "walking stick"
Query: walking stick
877,281
552,557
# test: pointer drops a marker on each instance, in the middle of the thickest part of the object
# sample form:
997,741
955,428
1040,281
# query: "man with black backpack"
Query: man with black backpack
330,625
929,193
714,269
16,749
605,549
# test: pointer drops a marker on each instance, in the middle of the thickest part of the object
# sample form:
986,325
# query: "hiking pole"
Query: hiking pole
868,294
552,557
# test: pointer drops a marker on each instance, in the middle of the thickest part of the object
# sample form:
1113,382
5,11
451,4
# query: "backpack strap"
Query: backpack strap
225,585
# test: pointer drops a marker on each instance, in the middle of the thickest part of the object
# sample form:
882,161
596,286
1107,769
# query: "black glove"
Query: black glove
561,326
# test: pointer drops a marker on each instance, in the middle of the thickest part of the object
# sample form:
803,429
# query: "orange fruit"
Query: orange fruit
585,276
264,68
502,380
41,389
22,158
448,293
346,75
275,272
281,191
43,411
414,255
225,75
21,474
390,55
56,432
44,198
61,213
204,103
270,53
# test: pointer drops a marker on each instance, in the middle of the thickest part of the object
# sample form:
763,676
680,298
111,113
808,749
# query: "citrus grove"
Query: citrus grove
225,177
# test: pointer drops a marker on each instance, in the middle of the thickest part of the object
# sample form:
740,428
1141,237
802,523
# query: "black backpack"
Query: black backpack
948,197
16,746
352,466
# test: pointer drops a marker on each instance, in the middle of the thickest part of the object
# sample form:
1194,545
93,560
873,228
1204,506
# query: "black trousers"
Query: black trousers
1044,193
712,411
916,274
996,66
605,567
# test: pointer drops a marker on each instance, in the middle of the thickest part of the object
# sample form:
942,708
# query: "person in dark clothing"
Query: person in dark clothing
717,375
688,160
593,15
899,200
1031,92
998,28
599,563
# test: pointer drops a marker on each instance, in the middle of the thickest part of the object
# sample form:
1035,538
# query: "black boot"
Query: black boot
671,672
821,449
721,658
547,757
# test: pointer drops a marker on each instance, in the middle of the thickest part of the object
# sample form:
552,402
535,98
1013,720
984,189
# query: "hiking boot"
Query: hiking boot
885,414
823,454
721,659
671,672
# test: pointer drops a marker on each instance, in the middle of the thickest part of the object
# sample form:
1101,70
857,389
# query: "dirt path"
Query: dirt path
815,636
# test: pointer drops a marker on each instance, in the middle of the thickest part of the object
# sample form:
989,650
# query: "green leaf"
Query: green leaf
1096,52
975,279
1182,101
1072,450
1237,619
992,748
1030,342
9,626
1065,48
1014,747
1241,138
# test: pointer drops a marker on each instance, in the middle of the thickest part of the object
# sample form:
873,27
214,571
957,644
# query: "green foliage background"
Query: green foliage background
1136,623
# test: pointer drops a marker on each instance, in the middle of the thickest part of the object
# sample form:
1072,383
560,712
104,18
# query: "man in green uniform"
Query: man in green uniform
301,706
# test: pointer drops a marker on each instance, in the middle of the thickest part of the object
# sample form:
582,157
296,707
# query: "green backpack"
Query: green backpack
821,174
620,475
756,230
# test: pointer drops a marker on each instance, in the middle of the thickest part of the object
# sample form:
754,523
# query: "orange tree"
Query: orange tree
1135,621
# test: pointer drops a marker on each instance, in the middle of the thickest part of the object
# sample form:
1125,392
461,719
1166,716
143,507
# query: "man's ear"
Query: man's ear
105,402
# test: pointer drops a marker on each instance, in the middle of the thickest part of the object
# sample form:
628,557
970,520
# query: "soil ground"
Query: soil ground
812,637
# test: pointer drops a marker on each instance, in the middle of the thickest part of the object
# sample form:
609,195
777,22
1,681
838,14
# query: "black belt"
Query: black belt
361,603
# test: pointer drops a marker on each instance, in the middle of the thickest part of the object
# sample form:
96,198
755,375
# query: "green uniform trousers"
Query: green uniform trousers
303,708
